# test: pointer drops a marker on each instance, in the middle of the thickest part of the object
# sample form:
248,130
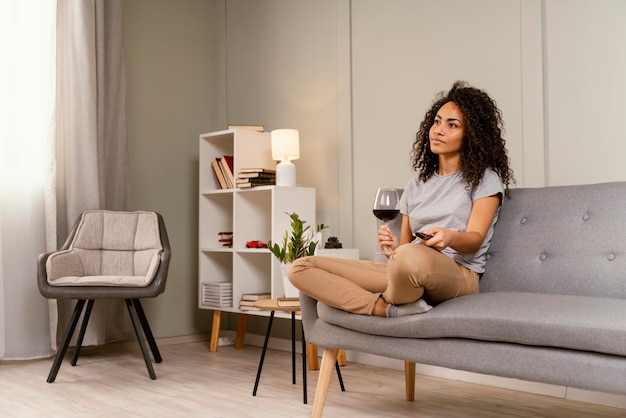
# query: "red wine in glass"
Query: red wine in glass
386,215
386,207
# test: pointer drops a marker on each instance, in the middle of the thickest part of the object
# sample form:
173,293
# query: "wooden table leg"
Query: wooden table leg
341,358
240,337
215,331
311,352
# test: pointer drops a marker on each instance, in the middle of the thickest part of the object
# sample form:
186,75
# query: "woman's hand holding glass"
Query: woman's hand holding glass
386,239
386,209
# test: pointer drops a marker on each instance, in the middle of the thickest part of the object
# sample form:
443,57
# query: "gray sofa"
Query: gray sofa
551,307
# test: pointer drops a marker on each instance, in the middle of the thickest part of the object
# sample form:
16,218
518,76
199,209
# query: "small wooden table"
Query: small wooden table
272,306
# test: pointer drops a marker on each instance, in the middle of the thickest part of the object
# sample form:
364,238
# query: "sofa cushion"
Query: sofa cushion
566,321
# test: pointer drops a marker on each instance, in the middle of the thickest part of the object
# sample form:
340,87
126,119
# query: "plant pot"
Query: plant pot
290,290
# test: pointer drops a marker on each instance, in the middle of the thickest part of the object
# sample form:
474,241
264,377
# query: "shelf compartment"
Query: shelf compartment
216,215
253,212
215,267
252,273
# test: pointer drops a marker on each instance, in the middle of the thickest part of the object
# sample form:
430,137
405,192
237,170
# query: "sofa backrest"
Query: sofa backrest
560,240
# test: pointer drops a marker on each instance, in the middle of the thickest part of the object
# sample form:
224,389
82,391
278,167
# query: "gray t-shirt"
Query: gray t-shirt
446,202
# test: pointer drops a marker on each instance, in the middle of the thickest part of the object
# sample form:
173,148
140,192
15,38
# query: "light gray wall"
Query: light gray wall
585,68
171,49
287,67
355,78
555,67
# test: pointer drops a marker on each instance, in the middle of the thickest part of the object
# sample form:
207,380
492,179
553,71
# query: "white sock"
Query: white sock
412,308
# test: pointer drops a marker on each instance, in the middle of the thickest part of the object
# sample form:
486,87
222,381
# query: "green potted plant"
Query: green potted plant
301,241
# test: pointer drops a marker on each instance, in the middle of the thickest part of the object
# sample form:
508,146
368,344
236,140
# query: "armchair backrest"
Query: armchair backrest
111,248
112,243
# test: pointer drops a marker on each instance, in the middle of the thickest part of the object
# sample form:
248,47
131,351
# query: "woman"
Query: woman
462,174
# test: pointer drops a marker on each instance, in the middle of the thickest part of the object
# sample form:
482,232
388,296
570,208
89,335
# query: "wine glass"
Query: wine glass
386,208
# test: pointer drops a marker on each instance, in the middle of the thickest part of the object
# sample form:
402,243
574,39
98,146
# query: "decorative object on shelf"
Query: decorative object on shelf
333,242
300,243
285,148
226,239
256,244
217,294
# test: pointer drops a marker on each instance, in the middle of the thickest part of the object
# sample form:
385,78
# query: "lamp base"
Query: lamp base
286,174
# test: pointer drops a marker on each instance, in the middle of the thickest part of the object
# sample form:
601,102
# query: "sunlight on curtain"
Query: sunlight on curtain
27,102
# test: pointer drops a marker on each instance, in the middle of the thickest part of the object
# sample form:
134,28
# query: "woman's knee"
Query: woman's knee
409,259
298,269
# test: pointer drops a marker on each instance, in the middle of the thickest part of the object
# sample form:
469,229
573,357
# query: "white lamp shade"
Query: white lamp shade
285,144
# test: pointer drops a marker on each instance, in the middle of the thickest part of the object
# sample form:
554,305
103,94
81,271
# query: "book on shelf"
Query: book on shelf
288,301
256,175
256,128
256,296
227,164
254,180
257,170
243,183
249,308
221,180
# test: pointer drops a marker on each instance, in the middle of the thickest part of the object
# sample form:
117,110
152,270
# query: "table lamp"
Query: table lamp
285,148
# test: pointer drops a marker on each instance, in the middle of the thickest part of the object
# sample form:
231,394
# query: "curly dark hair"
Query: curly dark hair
482,146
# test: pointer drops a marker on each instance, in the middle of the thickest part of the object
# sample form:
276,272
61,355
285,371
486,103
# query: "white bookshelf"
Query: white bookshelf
254,214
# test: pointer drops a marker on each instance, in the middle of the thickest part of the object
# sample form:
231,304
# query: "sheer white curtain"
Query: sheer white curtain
27,86
63,150
91,139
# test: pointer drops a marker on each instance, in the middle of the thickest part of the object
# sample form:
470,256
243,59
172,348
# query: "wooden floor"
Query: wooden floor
192,382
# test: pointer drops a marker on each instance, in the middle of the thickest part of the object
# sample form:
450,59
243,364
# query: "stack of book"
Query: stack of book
223,167
225,239
252,177
248,299
217,295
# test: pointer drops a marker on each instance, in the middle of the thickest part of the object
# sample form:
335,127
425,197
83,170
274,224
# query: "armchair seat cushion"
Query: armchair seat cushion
123,281
565,321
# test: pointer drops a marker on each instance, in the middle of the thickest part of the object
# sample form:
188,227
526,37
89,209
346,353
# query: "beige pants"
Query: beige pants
413,271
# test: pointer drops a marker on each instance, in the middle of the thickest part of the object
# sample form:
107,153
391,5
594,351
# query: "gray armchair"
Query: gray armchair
108,255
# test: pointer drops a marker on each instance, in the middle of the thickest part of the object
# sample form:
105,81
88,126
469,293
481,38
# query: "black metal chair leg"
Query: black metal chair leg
138,333
293,348
81,333
343,388
267,337
147,331
66,340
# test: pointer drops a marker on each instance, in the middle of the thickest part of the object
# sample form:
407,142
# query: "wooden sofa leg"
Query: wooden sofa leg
329,358
409,380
